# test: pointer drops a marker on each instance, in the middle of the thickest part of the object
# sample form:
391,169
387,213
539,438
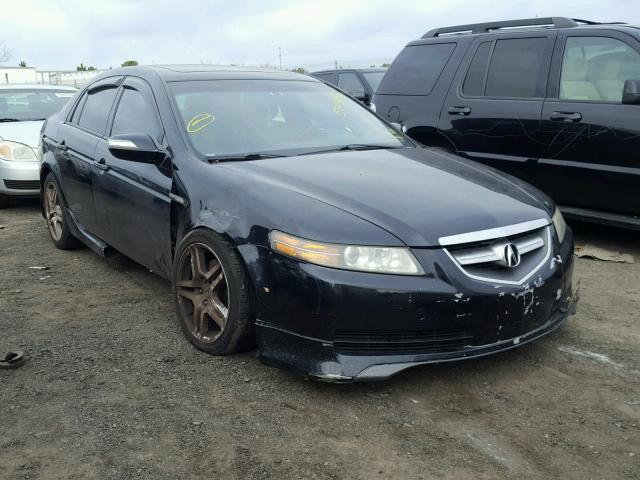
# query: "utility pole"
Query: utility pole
280,56
335,63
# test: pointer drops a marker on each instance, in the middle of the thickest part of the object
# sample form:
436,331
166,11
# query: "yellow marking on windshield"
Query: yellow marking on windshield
338,104
199,122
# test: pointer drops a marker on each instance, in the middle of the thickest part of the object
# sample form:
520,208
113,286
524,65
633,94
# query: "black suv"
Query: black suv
360,83
554,101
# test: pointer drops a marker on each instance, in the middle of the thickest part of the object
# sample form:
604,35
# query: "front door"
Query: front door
132,198
492,111
592,139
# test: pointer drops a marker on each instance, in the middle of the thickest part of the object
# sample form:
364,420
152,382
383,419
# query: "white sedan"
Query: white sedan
23,109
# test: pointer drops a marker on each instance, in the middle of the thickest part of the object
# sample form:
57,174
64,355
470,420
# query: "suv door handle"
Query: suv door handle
102,164
565,116
459,110
63,146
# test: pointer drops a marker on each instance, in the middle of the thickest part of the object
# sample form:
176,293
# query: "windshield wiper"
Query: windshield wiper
243,157
10,120
354,147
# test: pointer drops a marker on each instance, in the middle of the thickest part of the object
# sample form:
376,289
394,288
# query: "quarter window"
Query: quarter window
135,114
416,69
595,69
96,110
517,68
350,83
327,77
474,81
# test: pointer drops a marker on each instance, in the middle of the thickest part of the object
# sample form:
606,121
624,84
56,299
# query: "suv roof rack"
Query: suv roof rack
555,22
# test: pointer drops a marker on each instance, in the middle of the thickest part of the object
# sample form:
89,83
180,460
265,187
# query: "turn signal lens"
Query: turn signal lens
15,151
393,260
559,224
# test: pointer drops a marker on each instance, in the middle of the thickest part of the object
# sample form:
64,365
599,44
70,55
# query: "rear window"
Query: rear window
417,69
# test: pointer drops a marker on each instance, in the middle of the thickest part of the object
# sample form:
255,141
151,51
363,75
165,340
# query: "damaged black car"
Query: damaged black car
289,216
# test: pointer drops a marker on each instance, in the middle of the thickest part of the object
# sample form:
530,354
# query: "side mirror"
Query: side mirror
135,148
361,96
631,92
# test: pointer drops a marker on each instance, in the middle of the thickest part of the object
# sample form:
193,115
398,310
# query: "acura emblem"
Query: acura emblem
511,255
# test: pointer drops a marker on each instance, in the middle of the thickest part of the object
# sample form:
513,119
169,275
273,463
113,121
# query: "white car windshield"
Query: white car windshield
31,104
240,117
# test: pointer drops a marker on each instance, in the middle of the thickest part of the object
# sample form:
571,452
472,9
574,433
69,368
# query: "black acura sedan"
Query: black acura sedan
289,215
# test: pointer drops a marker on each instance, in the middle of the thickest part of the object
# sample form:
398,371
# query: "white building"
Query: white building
26,75
17,75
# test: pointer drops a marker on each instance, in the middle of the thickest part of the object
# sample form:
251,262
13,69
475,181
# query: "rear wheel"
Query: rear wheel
211,292
4,201
57,219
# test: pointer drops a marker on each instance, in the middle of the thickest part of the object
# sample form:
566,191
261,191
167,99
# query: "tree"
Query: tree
299,70
83,68
385,65
91,69
5,53
129,63
22,64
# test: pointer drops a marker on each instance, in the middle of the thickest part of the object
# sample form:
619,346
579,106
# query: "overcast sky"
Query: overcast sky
60,34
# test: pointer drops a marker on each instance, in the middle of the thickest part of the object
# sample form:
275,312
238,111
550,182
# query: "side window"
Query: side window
517,68
474,81
135,114
595,69
327,77
96,109
416,69
76,113
350,83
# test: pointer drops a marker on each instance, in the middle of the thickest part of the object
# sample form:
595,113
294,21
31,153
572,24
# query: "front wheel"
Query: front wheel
212,294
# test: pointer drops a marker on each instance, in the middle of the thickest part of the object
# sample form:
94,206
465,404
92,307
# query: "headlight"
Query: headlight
394,260
15,151
559,224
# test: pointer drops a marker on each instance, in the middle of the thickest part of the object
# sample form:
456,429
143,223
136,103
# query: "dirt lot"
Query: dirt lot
113,391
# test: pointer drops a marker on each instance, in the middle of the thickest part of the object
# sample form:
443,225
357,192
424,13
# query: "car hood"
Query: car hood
24,132
418,195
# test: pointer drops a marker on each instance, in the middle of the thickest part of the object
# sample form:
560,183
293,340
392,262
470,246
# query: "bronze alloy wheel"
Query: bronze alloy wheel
53,211
202,292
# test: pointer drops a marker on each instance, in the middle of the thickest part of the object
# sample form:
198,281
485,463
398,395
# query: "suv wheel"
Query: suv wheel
56,217
211,292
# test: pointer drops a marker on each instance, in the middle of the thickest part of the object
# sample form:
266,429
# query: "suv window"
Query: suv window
327,77
417,69
595,69
516,68
350,83
96,109
474,81
135,114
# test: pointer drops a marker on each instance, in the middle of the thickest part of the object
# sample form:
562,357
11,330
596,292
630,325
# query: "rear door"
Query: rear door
590,160
77,143
493,107
132,198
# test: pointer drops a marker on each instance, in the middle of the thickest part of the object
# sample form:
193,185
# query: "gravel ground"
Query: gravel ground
113,391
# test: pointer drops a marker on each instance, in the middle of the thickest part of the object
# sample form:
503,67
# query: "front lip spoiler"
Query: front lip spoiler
384,371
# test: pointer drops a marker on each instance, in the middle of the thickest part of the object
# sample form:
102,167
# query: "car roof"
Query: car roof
32,86
173,73
363,70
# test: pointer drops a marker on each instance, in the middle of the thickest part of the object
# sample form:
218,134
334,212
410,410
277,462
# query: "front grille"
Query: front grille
22,184
399,343
485,260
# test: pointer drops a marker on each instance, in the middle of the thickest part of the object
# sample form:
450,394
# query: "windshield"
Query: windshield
31,104
238,117
373,79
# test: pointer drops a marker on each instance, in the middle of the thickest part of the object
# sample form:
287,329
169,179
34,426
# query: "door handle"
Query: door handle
102,164
63,146
454,110
565,116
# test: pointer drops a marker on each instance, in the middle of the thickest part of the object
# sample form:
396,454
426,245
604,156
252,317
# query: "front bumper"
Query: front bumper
346,326
20,178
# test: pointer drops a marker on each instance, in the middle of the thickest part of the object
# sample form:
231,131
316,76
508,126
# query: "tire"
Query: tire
209,278
57,217
4,201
